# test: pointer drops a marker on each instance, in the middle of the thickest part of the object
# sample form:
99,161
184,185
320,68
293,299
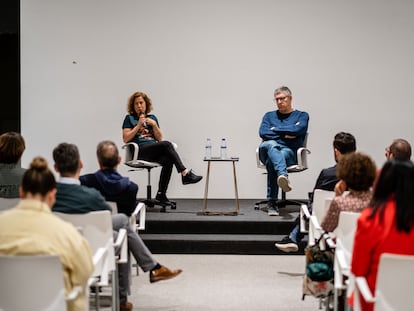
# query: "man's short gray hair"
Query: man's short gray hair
283,89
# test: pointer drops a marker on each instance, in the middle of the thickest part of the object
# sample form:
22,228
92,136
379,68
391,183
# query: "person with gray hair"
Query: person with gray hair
282,132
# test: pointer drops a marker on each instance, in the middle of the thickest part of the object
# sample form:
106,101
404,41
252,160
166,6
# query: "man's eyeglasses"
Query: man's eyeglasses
277,99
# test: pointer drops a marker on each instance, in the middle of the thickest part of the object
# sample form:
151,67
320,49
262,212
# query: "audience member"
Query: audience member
12,146
386,226
73,198
283,131
400,149
141,127
30,228
343,143
109,182
356,173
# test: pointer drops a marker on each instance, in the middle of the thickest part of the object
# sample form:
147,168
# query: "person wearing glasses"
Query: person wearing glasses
400,149
283,131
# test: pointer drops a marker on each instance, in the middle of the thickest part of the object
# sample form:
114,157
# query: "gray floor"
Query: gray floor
225,282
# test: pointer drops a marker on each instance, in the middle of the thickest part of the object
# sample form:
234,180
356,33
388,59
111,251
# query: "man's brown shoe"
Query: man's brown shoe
126,306
163,273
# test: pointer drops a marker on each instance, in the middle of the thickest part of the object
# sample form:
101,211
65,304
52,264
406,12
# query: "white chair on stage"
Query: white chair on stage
300,166
131,160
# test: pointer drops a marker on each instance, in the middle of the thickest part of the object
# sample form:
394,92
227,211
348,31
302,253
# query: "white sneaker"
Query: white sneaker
283,182
287,245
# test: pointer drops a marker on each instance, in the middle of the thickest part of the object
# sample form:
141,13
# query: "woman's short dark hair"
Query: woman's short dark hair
148,102
396,179
358,171
12,146
38,178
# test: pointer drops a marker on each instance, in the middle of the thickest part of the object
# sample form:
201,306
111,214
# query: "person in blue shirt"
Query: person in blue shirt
283,131
112,185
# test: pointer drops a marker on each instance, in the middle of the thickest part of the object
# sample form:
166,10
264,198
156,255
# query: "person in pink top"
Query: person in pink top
387,224
356,172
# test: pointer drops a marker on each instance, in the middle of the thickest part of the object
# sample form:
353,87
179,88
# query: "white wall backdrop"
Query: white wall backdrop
210,68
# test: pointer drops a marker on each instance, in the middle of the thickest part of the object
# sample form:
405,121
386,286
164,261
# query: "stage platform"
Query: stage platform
187,230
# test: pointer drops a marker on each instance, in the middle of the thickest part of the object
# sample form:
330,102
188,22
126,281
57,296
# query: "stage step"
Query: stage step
214,244
186,231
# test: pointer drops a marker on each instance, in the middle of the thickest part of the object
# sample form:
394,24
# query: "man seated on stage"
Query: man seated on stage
283,131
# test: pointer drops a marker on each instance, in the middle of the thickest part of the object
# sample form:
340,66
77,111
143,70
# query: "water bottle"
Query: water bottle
208,149
223,149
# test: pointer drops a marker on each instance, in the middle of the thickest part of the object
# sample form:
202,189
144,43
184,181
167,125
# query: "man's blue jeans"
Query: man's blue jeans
276,158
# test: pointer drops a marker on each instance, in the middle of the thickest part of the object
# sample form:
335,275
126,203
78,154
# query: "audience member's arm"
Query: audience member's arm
340,188
330,220
265,131
299,128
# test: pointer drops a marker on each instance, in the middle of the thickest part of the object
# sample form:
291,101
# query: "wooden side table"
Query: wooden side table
233,160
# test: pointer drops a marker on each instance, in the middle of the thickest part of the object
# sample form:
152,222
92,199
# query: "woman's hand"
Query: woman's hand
340,188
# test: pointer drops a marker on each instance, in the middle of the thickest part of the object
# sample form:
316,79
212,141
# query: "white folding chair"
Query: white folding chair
321,202
97,229
300,166
8,203
137,218
345,233
131,160
394,285
33,283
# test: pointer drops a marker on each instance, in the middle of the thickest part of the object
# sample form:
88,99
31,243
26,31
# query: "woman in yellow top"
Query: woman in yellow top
30,228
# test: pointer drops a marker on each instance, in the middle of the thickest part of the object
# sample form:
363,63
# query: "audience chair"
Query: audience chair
321,201
137,218
344,244
97,229
131,160
8,203
394,285
137,222
34,283
300,166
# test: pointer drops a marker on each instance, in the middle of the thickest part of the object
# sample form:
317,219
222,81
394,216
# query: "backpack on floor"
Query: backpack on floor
318,279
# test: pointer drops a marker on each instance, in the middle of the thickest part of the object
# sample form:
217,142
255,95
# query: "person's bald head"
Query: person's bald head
107,154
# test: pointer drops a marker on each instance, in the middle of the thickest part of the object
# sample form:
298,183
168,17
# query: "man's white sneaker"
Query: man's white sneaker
287,245
283,182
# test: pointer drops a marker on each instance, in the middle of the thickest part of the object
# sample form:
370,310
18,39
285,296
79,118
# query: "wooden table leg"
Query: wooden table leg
235,188
206,187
